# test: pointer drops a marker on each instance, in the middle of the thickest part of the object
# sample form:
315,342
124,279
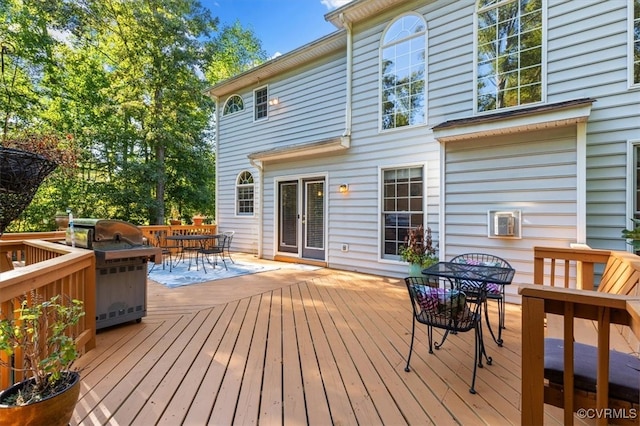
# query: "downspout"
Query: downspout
260,166
346,136
216,117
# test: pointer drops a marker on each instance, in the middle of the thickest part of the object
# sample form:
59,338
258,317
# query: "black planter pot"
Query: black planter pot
21,173
54,410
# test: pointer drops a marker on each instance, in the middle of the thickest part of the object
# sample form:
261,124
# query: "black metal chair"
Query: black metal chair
213,247
227,247
167,249
493,291
438,302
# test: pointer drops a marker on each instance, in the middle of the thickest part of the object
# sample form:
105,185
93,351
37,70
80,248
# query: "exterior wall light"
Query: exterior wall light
343,188
274,101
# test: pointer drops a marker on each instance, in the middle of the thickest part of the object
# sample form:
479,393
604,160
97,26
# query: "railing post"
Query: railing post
532,361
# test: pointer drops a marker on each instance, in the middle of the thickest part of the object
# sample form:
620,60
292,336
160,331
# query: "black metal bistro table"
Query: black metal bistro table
474,276
199,240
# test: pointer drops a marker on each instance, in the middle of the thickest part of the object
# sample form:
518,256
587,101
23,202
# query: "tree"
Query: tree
127,79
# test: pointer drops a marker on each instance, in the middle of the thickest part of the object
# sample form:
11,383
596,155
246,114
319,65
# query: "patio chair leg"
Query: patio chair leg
477,361
413,330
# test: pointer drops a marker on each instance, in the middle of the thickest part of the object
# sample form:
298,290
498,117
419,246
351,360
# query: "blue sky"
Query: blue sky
281,25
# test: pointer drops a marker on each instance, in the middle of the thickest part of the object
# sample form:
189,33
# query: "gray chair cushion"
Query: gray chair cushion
624,369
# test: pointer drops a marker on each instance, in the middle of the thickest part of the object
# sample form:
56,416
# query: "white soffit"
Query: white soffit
325,146
524,120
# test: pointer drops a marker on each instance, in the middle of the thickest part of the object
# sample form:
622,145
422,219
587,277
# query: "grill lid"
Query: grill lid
104,234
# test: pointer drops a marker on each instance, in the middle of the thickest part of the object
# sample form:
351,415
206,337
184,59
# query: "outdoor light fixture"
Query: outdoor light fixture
343,188
274,101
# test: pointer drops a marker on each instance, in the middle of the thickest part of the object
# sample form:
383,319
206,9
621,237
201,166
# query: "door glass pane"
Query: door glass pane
288,214
315,215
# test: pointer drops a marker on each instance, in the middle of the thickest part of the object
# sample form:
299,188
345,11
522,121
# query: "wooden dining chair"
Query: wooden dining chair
494,292
438,303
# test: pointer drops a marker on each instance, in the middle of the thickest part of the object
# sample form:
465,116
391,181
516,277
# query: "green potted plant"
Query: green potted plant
633,235
418,250
38,331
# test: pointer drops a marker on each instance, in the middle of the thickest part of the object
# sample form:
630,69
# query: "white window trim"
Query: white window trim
257,120
235,196
630,83
543,97
227,101
381,170
632,144
426,77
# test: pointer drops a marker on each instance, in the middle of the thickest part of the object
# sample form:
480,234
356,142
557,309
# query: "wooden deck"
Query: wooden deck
292,347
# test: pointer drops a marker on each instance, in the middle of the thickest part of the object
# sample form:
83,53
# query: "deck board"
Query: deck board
293,347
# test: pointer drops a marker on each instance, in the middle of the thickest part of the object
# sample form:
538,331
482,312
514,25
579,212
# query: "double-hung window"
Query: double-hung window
244,194
402,206
509,67
260,102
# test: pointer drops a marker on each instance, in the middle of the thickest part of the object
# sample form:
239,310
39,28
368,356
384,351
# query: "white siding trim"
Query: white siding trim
443,202
581,183
631,193
630,13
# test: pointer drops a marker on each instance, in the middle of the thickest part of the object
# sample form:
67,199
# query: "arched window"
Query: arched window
403,73
244,194
234,104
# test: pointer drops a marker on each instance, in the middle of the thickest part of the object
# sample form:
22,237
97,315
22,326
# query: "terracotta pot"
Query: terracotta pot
62,222
175,222
55,410
197,221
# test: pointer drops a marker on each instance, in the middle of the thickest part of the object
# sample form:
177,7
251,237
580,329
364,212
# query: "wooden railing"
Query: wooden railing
149,231
605,307
50,269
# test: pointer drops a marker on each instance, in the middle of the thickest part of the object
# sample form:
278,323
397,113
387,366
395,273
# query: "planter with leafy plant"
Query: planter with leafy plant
418,250
38,332
633,235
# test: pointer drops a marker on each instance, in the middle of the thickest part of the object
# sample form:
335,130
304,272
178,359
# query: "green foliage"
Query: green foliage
127,80
418,249
39,328
633,235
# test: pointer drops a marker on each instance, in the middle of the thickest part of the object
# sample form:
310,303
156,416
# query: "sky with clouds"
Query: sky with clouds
281,25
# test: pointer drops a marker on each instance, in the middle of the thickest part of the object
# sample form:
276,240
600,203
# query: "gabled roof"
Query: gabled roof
298,57
352,12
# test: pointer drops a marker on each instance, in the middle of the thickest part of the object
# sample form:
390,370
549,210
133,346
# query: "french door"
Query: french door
301,206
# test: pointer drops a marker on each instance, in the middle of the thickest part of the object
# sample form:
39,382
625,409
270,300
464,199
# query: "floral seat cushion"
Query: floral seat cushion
440,300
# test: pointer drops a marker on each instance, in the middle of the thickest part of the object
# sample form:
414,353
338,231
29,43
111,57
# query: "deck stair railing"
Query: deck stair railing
617,301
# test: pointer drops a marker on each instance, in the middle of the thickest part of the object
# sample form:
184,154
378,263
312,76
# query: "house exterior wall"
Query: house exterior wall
311,106
586,56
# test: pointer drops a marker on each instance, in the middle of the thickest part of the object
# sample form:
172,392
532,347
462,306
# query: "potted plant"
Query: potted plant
38,331
633,235
198,219
418,250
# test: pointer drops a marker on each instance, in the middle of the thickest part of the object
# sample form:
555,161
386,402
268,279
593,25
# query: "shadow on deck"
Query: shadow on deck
291,346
